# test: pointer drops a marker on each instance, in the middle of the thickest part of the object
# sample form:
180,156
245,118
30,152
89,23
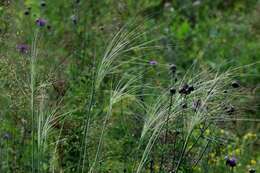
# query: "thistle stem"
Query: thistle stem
166,133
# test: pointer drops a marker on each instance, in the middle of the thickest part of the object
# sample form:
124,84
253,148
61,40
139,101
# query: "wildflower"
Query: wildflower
23,48
173,68
41,22
235,84
252,170
153,62
172,91
232,162
7,136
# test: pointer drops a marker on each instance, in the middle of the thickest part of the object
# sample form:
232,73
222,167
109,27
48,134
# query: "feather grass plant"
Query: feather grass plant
123,42
44,115
209,88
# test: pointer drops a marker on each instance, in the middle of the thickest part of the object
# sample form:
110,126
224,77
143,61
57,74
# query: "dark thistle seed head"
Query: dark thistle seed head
124,170
27,12
43,3
225,91
7,136
101,28
183,89
41,22
172,91
177,132
190,88
186,89
173,68
252,170
230,110
235,84
184,106
48,27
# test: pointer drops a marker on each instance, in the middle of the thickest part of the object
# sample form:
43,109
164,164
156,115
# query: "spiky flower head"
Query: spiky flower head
41,22
153,62
23,48
231,161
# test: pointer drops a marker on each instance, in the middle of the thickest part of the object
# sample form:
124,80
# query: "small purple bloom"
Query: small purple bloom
232,162
23,48
41,22
153,62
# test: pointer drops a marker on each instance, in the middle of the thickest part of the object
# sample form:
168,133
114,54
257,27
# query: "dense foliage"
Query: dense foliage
129,86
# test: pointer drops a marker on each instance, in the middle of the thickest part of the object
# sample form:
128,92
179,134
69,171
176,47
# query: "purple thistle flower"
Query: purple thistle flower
232,162
41,22
153,62
23,48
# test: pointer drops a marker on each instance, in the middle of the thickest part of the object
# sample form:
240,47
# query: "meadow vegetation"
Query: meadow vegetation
127,86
